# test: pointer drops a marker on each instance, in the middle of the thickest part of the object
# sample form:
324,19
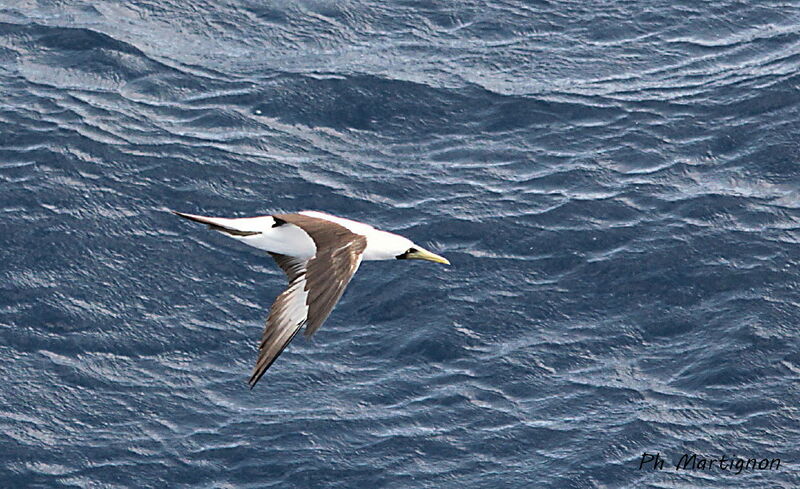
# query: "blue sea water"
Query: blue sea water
615,183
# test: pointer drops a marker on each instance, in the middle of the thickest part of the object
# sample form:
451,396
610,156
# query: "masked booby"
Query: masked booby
319,253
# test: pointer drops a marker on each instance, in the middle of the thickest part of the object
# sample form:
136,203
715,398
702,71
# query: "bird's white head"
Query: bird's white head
389,246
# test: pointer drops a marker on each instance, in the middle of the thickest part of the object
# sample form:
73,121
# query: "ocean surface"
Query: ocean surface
616,184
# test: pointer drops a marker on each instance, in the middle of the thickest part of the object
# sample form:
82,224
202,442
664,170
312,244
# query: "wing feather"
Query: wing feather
315,285
286,317
339,253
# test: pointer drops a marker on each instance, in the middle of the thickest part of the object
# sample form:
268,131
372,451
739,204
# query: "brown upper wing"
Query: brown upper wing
315,286
328,273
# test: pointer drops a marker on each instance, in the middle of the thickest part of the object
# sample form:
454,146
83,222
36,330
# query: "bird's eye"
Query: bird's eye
405,255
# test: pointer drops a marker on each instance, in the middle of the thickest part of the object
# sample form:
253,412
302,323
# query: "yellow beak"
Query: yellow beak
421,254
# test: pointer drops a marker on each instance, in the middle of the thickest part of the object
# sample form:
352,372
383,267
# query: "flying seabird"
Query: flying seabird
319,254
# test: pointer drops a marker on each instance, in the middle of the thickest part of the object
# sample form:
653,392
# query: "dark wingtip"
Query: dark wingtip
192,217
183,215
216,227
255,378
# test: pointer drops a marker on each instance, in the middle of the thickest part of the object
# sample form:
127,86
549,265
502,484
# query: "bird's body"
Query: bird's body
319,253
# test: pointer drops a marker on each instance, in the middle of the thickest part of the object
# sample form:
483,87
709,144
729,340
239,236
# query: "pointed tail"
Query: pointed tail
220,224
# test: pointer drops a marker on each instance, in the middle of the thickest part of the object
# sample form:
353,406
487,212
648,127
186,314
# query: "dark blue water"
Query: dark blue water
615,183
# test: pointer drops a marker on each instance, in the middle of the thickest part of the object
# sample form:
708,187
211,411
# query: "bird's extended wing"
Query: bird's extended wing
286,316
315,286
